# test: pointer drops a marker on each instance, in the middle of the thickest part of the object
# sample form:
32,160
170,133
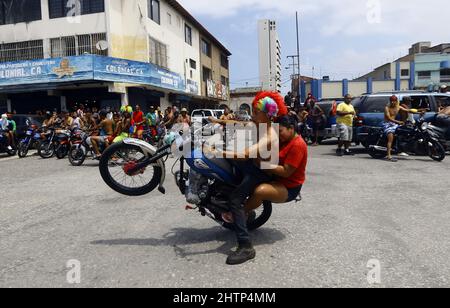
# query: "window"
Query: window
158,53
154,11
61,8
424,75
77,45
206,48
445,75
443,101
375,105
224,61
405,73
206,74
21,51
15,11
193,64
420,102
224,80
188,34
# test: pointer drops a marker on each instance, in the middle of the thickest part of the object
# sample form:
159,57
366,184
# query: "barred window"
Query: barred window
158,53
21,51
77,45
60,8
15,11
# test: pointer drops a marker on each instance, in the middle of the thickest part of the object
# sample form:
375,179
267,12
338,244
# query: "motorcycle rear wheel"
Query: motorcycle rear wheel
436,151
260,220
116,159
62,151
376,154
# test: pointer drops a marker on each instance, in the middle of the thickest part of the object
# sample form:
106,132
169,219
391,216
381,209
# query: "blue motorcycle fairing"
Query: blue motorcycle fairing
217,168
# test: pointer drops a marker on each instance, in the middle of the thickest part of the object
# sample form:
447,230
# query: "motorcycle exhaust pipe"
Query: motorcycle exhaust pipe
378,148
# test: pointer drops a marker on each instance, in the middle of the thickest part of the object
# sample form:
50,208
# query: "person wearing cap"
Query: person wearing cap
152,120
444,89
184,117
391,123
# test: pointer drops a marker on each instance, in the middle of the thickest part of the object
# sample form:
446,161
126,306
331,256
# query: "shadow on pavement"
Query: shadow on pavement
187,237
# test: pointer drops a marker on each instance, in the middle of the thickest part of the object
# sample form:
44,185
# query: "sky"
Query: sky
340,39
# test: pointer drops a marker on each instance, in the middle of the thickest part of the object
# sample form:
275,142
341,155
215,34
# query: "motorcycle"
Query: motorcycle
417,139
54,143
5,146
32,140
80,148
442,130
135,168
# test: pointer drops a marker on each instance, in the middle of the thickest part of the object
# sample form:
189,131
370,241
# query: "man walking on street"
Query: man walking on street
345,113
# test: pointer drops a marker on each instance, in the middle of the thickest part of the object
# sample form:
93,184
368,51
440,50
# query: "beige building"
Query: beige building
214,61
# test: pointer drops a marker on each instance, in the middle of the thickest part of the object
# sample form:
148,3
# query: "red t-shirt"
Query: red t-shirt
294,154
138,117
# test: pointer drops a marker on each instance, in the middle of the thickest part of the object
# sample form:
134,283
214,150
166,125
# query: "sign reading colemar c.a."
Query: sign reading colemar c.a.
87,68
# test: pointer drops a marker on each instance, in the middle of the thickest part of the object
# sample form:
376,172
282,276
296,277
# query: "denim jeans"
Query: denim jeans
252,178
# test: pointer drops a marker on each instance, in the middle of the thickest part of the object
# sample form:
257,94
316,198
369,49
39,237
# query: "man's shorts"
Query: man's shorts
390,128
345,133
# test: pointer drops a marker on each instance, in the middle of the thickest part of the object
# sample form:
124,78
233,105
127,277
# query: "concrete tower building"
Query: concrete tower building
269,55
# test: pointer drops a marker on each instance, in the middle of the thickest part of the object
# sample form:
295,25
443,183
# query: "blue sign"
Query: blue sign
88,68
46,71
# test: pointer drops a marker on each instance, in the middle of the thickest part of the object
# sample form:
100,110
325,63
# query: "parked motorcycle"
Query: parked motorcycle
54,143
80,148
418,139
32,140
134,168
5,146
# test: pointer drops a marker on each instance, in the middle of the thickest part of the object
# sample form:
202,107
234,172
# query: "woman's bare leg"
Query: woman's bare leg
273,192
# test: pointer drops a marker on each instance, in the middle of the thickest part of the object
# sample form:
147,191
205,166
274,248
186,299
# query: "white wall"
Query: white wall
331,89
52,28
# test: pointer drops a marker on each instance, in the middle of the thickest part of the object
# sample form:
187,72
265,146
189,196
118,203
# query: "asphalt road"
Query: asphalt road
355,209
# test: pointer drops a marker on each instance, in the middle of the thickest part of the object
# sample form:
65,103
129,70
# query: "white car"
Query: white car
201,116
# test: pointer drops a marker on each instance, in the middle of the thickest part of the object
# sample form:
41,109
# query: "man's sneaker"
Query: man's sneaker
339,152
349,153
10,148
244,253
403,154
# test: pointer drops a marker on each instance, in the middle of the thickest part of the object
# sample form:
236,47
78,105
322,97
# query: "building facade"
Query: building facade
61,53
269,55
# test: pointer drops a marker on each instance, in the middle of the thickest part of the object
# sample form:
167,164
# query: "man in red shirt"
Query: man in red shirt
139,121
290,173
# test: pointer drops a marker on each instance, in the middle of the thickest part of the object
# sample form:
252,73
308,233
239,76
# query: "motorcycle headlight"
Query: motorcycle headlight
170,138
424,126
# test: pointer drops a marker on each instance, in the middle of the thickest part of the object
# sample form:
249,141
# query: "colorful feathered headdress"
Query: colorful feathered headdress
271,103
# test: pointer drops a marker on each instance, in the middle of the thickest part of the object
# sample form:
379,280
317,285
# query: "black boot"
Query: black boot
244,253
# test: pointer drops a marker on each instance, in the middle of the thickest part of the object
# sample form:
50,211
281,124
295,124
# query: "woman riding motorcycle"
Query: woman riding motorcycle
266,107
290,173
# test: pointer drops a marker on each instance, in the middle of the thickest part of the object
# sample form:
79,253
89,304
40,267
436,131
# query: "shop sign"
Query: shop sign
217,90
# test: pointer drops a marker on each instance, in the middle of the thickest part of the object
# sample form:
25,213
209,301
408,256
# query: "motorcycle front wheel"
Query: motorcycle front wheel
77,155
436,151
46,150
23,150
115,165
263,215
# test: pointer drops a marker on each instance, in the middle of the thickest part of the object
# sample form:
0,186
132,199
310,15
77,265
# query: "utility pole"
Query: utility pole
298,58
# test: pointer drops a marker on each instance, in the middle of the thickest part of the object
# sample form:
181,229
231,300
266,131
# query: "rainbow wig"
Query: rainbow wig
271,103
